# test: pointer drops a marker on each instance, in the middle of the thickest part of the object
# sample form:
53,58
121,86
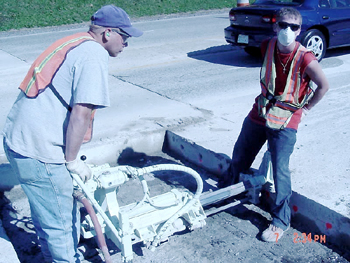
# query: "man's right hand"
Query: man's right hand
80,168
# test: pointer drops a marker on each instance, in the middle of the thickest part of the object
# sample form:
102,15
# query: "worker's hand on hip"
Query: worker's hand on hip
80,168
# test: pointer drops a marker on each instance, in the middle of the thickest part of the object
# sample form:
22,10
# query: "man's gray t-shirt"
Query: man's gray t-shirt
36,127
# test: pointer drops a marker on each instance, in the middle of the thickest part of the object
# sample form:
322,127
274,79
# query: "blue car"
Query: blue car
326,24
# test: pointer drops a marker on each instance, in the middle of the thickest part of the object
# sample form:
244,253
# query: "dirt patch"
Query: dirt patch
229,236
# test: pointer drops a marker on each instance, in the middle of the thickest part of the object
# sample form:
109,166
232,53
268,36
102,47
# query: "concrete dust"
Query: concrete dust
229,236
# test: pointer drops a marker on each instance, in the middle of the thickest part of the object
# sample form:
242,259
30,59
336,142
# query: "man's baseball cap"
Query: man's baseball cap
115,17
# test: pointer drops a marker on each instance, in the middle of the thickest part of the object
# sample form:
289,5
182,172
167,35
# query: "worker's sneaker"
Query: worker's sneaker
272,233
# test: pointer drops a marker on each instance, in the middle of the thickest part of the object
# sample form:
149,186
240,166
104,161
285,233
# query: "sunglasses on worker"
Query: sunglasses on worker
124,35
284,25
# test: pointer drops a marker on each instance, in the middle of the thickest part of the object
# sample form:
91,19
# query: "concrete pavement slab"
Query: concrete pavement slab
320,164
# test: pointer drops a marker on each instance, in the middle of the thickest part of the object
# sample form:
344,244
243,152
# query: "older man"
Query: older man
52,117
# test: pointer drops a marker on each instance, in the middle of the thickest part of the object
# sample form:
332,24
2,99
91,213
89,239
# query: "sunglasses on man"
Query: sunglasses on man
124,35
284,25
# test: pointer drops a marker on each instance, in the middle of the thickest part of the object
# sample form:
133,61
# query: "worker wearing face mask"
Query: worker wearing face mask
286,95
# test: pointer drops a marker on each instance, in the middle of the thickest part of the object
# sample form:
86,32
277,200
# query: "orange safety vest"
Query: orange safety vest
282,107
44,68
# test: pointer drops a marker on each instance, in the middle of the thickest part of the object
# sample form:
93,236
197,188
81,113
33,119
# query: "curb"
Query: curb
180,147
113,149
320,221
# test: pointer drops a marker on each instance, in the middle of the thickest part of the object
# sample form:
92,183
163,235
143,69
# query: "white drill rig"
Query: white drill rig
151,220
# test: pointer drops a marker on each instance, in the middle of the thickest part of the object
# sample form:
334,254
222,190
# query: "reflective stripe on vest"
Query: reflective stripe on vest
44,68
46,65
284,105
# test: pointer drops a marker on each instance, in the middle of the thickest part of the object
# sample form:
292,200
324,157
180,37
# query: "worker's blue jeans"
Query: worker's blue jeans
54,211
281,144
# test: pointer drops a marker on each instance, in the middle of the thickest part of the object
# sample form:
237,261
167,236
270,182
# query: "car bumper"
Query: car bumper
241,37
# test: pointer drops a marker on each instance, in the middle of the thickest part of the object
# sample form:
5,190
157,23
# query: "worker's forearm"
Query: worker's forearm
316,74
319,94
78,124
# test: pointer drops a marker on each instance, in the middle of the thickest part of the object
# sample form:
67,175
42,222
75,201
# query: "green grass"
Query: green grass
16,14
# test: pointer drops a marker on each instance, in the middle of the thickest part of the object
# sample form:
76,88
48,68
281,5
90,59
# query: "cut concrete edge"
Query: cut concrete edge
108,151
178,146
319,220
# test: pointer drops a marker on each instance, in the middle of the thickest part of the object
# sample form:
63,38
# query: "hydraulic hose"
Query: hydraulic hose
101,241
138,173
97,207
175,167
186,207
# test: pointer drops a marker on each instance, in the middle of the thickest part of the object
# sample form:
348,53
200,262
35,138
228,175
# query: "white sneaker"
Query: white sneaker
272,233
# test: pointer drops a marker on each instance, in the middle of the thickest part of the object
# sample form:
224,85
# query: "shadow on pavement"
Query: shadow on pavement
337,52
236,56
226,55
20,230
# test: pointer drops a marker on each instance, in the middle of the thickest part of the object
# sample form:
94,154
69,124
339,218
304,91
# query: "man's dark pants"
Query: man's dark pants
281,144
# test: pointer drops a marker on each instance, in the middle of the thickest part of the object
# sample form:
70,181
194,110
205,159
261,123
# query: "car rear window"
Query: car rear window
276,2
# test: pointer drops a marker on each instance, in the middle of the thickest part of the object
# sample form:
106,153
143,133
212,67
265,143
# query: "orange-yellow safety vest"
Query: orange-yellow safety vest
282,106
44,68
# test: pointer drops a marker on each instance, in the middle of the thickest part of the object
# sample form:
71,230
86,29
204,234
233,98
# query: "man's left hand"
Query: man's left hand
80,168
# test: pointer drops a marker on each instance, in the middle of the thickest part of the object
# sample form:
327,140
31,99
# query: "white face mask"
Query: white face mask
286,37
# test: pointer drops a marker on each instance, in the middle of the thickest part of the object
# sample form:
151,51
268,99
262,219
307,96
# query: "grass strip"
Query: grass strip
40,13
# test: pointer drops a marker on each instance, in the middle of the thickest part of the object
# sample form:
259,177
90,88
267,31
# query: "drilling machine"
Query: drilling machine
152,220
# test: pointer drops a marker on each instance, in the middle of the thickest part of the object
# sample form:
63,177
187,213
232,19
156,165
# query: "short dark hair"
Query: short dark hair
289,11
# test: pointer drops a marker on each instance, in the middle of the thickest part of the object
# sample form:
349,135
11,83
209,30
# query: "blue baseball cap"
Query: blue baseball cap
115,17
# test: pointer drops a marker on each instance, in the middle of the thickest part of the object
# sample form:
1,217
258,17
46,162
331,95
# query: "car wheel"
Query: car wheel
315,41
253,51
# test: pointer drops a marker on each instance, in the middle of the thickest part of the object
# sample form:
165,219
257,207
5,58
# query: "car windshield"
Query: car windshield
276,2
